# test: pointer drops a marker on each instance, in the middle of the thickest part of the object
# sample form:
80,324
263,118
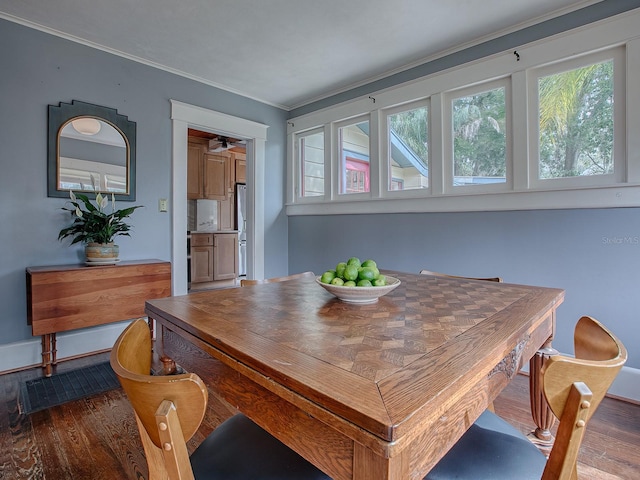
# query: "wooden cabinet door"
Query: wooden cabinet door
226,213
194,171
225,256
216,176
201,264
241,168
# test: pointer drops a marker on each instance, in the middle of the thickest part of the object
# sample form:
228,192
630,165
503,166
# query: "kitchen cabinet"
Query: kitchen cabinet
201,258
226,213
217,174
208,174
195,183
226,207
214,257
225,256
241,168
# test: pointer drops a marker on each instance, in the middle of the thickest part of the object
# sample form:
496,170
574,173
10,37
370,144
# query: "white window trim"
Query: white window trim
298,170
618,177
615,31
448,160
336,163
385,156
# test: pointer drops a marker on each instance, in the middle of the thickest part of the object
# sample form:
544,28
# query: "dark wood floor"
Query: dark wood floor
97,438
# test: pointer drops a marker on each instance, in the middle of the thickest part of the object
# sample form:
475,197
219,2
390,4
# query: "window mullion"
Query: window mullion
330,168
632,74
374,154
439,161
520,126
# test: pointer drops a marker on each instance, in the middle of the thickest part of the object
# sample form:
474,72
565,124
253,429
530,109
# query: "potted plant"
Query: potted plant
96,228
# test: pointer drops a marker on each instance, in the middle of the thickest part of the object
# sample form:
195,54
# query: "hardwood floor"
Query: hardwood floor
97,437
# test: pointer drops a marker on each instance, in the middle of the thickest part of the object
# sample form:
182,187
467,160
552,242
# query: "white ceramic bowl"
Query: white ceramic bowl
360,294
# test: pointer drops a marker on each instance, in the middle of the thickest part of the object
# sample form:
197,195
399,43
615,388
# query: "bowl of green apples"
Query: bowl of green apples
357,282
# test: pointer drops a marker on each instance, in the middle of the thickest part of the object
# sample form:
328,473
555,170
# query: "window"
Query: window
576,120
353,144
311,161
479,136
544,129
408,148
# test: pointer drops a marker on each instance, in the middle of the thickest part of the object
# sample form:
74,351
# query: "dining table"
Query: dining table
377,391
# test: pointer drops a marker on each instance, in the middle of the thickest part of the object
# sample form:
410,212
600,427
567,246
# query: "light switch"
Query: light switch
162,204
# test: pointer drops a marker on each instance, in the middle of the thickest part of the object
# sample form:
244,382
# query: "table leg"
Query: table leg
49,352
169,366
542,414
150,322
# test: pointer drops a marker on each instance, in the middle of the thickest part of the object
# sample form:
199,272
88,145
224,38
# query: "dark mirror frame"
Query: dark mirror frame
61,114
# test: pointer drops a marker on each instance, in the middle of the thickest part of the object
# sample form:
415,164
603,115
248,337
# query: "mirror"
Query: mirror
91,149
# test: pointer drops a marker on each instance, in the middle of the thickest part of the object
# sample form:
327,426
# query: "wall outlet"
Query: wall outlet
163,205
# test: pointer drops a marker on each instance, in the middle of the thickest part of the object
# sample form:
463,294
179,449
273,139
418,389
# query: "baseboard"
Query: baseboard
28,353
626,386
19,355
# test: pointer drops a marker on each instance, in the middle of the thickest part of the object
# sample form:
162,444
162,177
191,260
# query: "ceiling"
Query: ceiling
285,53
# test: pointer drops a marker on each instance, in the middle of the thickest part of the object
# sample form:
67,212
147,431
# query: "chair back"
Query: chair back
295,276
168,409
438,274
574,387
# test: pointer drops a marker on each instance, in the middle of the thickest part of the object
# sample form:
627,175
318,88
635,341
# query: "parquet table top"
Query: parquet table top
375,365
374,340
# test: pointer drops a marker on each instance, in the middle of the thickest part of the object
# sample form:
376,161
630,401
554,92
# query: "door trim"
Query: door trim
185,116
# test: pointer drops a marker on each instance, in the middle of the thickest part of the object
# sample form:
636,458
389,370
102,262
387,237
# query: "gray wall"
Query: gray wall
594,255
39,69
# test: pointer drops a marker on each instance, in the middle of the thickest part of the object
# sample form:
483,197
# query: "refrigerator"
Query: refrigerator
241,227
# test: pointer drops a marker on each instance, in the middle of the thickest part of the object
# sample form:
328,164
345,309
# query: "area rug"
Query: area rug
47,392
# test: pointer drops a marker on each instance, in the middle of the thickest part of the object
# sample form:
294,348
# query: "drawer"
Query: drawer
201,239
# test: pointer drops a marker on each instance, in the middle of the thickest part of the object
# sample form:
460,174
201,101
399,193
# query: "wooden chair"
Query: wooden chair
295,276
437,274
573,387
170,409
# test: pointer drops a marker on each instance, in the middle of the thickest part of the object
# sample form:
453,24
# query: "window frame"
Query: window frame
385,154
448,145
299,167
608,34
338,162
619,175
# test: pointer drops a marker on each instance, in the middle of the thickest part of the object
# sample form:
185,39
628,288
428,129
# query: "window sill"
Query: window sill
601,197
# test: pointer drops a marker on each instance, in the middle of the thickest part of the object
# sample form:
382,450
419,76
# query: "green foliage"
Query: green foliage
412,127
576,122
479,143
92,224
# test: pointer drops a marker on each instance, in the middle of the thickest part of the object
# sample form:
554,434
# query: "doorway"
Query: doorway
186,116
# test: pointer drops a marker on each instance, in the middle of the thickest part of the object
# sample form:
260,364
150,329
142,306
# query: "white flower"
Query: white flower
73,197
78,212
101,201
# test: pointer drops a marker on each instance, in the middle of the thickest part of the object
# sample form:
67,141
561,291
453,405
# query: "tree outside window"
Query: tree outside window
576,122
480,140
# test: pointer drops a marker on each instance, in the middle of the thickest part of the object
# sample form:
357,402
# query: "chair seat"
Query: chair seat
491,449
239,449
